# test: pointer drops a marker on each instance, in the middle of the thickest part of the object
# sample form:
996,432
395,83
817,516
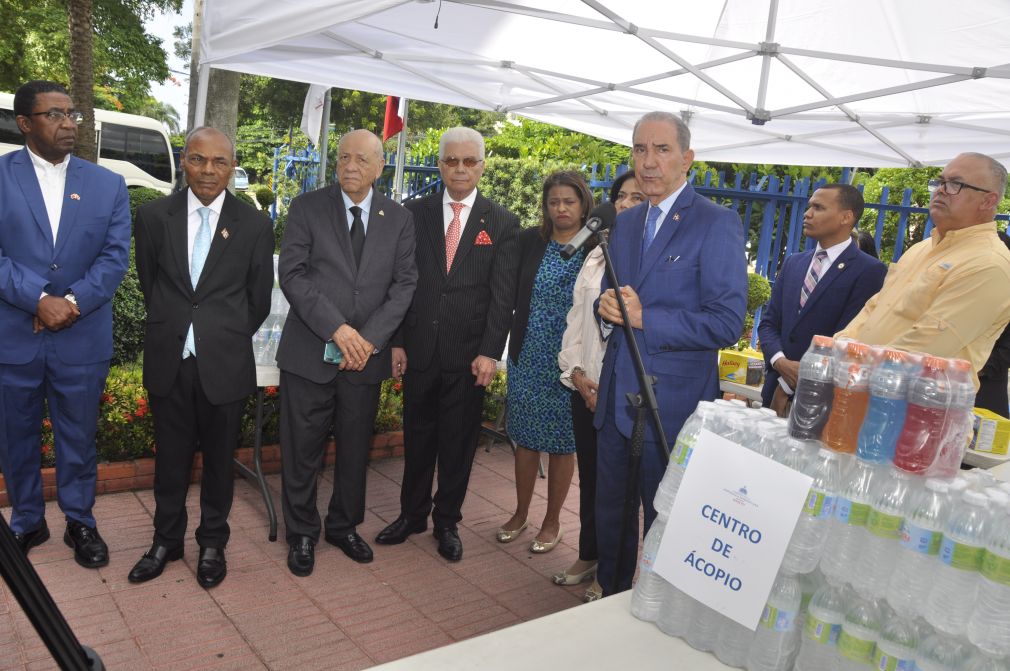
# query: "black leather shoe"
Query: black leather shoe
90,551
212,568
353,545
399,530
302,556
153,563
449,544
30,539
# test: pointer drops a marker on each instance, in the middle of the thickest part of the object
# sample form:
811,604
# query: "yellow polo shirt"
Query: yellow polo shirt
947,297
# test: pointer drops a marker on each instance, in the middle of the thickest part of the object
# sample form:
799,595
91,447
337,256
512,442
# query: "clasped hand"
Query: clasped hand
611,311
356,350
54,313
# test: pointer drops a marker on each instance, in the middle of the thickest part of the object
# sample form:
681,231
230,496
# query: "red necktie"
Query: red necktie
452,235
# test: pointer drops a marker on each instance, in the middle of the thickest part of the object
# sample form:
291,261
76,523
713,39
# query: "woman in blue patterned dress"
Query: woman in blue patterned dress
540,413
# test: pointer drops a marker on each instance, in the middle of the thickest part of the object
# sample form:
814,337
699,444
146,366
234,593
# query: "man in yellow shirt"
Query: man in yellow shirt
949,295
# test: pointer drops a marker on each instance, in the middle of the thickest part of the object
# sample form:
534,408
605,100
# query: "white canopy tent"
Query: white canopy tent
809,82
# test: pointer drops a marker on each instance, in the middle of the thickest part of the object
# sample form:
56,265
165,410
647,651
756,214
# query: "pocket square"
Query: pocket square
482,239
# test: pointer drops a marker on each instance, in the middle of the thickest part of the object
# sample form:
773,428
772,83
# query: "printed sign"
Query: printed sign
730,526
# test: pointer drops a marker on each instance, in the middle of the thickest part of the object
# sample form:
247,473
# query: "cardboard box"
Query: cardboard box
745,367
992,432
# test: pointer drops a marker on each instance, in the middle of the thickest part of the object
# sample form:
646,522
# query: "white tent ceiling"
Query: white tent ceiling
811,82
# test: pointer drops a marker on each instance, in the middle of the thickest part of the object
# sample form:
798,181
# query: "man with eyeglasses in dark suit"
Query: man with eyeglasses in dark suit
64,249
451,339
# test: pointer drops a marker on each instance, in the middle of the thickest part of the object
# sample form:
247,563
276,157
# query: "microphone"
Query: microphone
602,217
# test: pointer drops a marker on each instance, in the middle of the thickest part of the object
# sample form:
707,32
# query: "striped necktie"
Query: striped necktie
814,274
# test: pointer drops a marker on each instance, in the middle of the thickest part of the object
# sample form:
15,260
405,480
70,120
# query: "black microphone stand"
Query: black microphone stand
26,586
645,405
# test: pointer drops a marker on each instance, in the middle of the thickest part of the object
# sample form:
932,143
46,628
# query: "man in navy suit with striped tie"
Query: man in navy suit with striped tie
817,292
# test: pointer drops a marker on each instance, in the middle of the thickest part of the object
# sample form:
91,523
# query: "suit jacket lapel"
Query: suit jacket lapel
220,238
432,227
29,183
178,234
468,236
71,206
373,232
672,222
828,276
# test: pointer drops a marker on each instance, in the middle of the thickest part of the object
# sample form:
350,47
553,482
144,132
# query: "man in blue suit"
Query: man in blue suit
64,248
817,292
680,261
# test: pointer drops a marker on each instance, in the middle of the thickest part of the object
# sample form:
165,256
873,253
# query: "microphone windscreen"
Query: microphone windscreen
607,214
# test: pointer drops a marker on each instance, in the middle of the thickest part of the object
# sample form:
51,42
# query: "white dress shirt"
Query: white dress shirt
447,212
366,208
193,220
665,206
52,182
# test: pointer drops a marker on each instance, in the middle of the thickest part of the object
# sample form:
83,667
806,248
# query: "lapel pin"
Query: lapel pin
841,265
482,220
381,213
74,196
225,233
676,217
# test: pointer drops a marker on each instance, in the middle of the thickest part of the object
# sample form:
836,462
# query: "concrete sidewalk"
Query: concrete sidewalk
344,616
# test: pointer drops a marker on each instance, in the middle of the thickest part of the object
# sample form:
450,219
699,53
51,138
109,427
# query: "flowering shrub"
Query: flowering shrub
125,424
390,414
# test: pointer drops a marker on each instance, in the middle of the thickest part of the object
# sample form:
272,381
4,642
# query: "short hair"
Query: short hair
564,178
683,132
997,172
849,198
460,134
377,142
201,129
615,188
24,97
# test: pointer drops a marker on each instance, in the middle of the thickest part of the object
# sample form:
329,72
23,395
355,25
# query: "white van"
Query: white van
135,147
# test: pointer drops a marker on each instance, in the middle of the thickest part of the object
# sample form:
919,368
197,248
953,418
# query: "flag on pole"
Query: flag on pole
393,123
312,111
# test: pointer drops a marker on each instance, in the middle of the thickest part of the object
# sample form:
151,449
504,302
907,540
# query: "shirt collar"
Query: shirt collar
193,203
365,205
43,164
666,204
468,201
834,251
988,227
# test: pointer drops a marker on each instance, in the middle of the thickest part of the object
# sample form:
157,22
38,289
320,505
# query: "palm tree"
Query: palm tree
82,74
161,111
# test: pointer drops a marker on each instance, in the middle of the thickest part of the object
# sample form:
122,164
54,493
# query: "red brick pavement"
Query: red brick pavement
343,616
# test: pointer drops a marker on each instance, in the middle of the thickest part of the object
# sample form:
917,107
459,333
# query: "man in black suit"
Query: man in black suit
347,269
453,335
204,260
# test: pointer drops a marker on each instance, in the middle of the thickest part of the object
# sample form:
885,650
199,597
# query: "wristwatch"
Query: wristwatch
70,296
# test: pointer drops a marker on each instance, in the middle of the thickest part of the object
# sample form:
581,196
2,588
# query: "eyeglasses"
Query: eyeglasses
951,187
198,161
453,161
57,116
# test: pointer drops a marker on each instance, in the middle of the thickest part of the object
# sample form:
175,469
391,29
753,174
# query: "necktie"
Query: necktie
357,234
452,235
651,225
814,274
201,245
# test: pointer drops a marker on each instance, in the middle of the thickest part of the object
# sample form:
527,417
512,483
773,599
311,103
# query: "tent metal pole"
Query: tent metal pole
324,137
201,96
401,156
766,56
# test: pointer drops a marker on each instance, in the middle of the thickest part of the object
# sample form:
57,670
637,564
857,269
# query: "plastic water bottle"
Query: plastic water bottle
889,496
981,660
703,630
886,413
809,584
989,624
677,612
814,390
260,342
920,538
896,644
852,396
852,509
275,340
681,455
811,531
647,595
777,637
959,424
955,583
940,652
733,644
928,397
860,629
819,646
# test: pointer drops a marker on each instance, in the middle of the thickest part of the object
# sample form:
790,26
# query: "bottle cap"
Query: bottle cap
997,496
894,355
960,365
823,341
937,485
857,349
974,498
934,362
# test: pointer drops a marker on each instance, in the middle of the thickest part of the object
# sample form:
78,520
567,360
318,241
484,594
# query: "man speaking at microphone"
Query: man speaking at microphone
680,262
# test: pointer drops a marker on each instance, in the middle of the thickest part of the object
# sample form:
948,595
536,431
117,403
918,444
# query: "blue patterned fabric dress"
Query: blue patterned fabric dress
540,407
